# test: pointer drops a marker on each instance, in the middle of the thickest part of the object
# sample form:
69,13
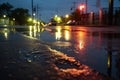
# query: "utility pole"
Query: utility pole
86,5
37,12
32,9
110,13
74,5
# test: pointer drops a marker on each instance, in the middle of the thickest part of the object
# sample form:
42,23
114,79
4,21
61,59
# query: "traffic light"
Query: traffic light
82,7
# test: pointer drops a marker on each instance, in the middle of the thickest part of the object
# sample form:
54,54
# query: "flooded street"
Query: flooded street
60,52
26,58
98,48
59,39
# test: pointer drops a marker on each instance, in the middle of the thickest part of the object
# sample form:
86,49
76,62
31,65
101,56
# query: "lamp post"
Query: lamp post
4,16
13,21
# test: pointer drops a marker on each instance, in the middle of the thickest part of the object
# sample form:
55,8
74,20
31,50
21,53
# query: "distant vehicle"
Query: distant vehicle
71,22
52,23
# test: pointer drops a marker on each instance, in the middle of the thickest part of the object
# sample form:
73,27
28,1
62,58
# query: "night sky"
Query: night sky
48,8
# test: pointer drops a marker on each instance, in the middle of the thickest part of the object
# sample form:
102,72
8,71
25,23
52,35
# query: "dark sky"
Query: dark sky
48,8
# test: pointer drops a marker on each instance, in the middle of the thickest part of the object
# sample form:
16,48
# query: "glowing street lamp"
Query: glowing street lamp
4,16
30,19
13,19
56,16
66,16
34,14
58,19
34,21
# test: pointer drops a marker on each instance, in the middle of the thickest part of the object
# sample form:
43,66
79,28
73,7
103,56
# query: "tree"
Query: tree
5,8
76,15
21,15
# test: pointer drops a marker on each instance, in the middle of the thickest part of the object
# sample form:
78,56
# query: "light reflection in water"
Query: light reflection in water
80,40
67,35
86,44
58,33
33,31
79,37
30,31
6,32
62,33
6,35
30,28
30,34
109,61
81,45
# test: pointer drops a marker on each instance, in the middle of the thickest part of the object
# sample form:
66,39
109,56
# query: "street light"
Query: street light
13,21
4,16
59,19
66,16
4,19
34,14
34,21
30,20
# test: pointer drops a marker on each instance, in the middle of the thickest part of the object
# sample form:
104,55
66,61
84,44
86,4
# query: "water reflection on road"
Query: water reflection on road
4,32
98,48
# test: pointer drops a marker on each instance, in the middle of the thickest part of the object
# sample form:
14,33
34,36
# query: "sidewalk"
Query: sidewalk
24,58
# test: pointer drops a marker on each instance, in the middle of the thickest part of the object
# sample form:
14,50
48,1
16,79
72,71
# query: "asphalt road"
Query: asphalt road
24,58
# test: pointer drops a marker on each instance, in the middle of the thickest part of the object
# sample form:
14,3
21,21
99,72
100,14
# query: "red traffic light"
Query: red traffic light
82,7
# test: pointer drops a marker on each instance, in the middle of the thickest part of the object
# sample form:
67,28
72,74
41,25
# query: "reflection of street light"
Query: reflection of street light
67,35
58,34
6,31
81,45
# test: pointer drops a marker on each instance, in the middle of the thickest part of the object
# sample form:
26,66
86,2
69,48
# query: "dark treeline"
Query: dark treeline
20,15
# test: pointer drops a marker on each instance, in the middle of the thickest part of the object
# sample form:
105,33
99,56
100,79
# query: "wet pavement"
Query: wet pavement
25,58
97,47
